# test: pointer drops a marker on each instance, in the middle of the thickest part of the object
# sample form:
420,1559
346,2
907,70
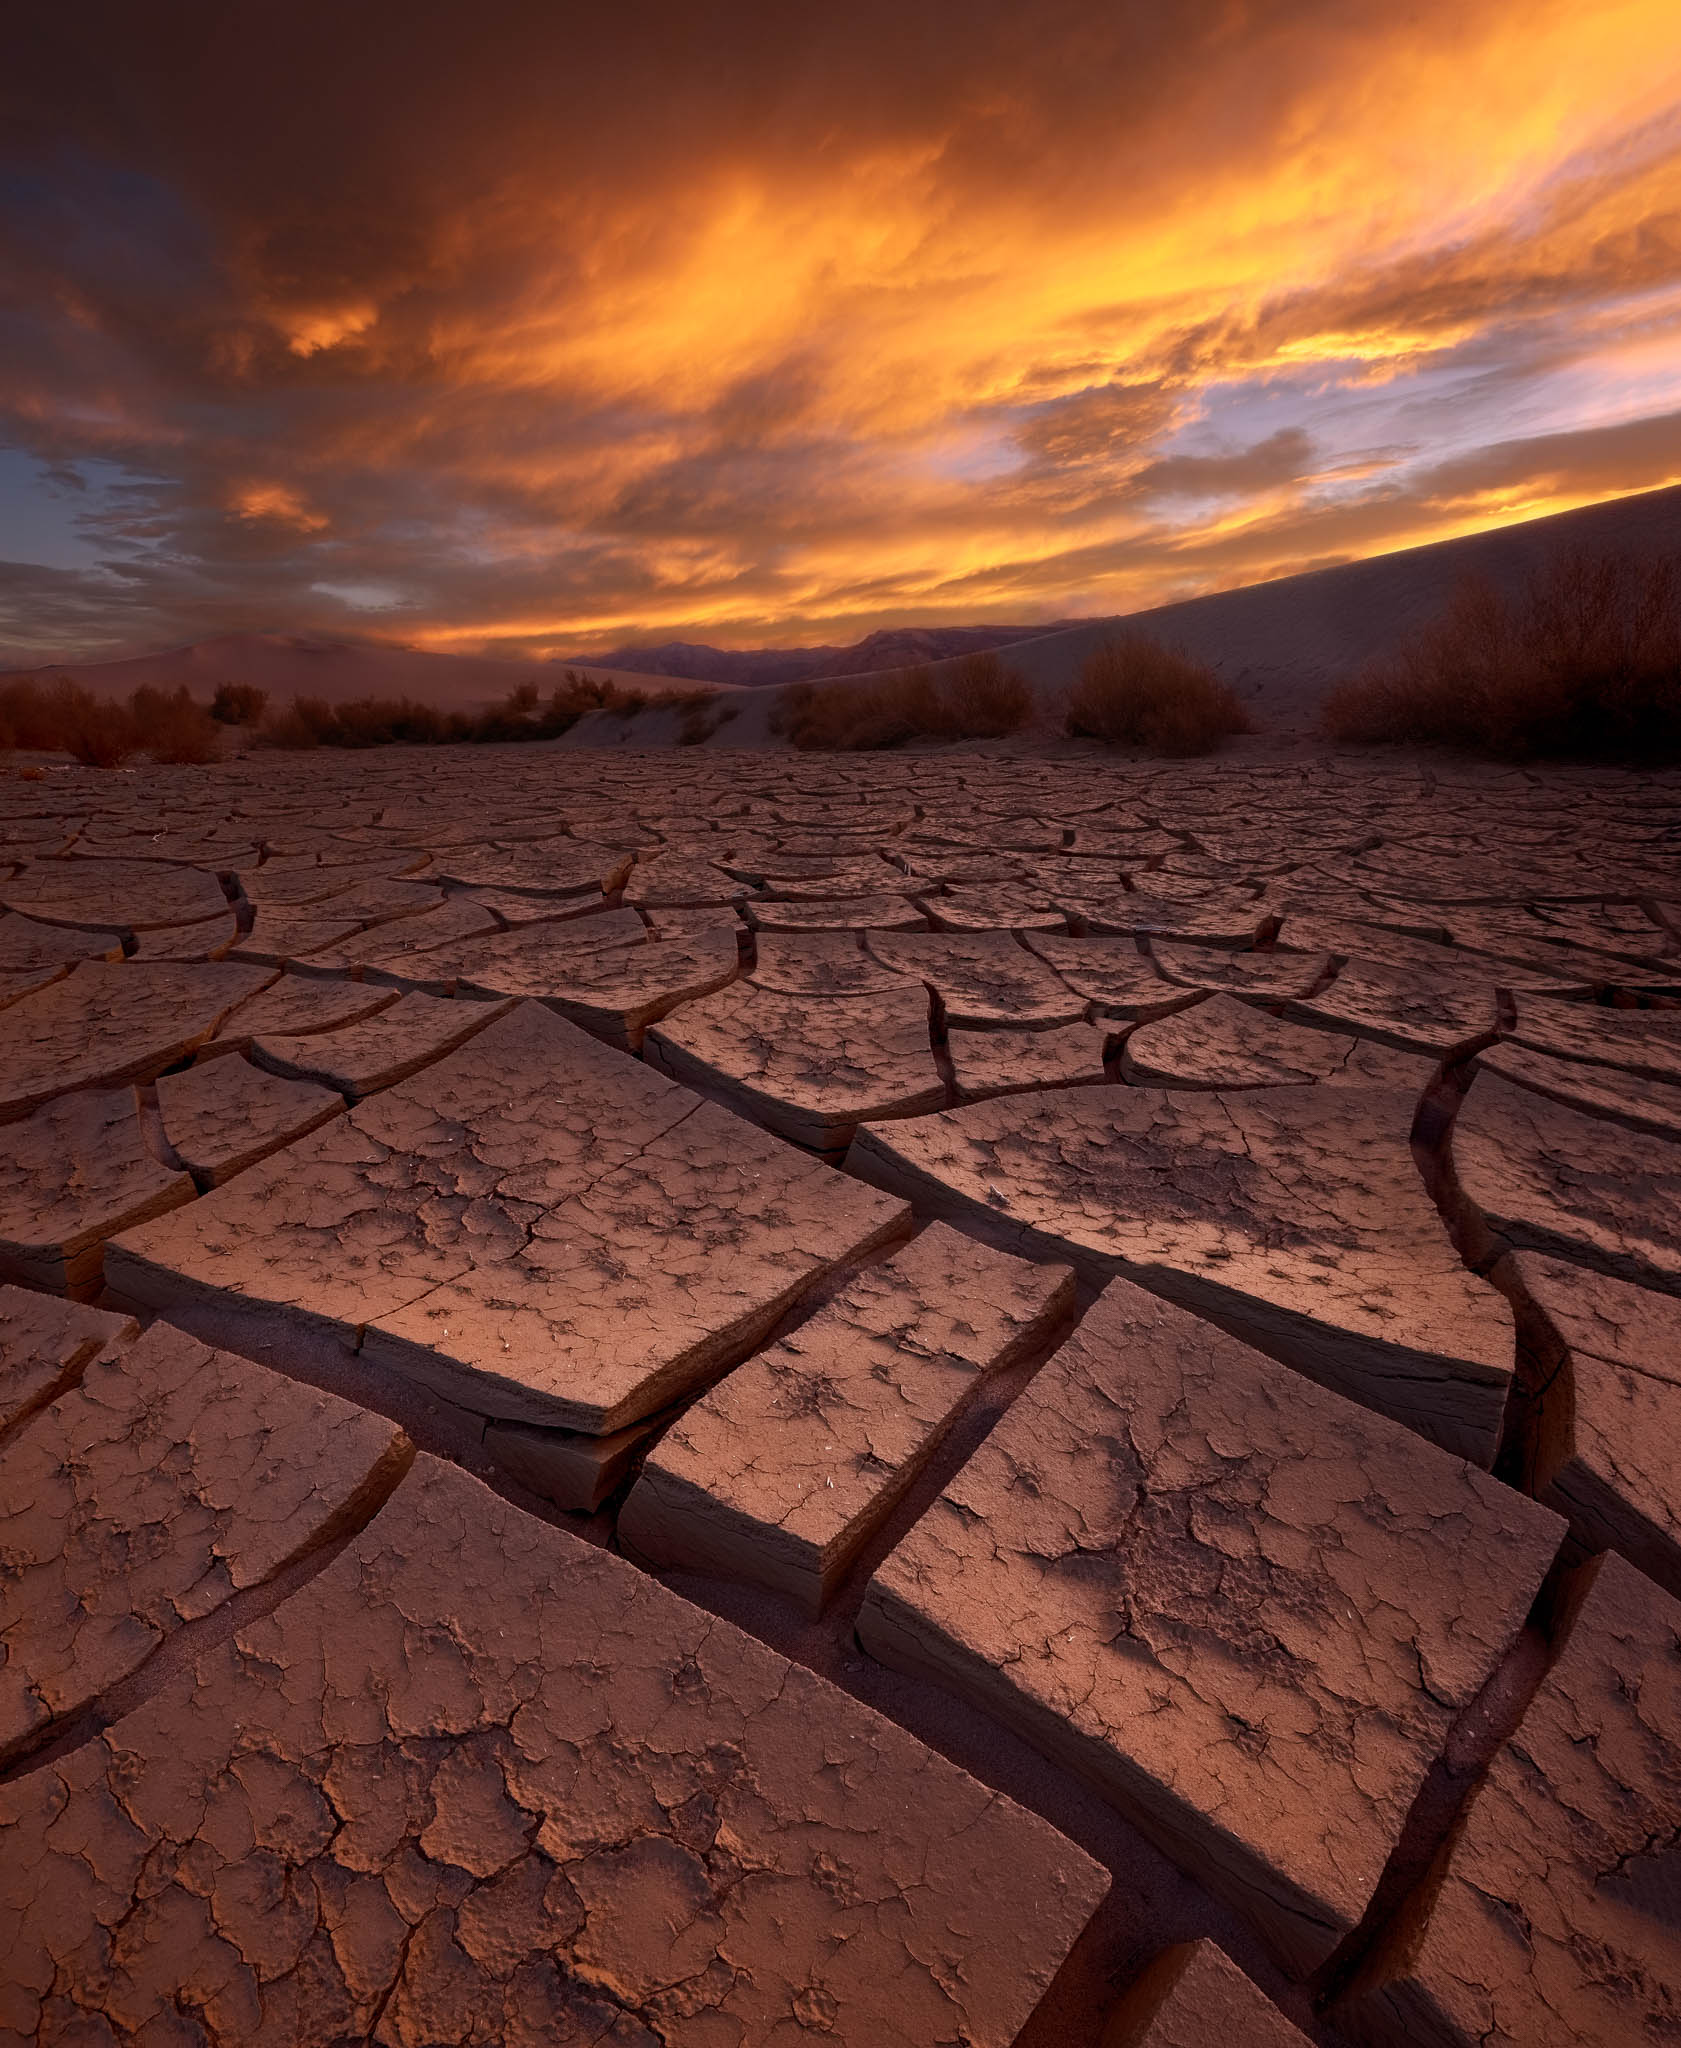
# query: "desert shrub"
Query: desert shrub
306,722
984,699
238,704
170,727
978,698
702,716
27,718
515,717
878,711
1135,692
1585,665
63,717
389,721
579,693
400,721
90,729
58,716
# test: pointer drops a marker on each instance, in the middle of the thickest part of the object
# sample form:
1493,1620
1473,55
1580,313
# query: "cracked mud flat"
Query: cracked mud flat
1293,1216
781,1472
1549,1919
1163,1562
1264,1633
480,1782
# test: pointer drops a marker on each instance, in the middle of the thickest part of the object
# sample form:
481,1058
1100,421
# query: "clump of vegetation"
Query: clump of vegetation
1135,692
61,717
171,727
985,699
30,717
97,731
976,698
399,721
1585,665
238,704
703,715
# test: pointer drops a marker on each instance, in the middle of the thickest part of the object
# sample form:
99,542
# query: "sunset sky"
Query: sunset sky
535,330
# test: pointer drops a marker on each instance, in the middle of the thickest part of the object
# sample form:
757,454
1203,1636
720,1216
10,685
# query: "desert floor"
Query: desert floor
708,1397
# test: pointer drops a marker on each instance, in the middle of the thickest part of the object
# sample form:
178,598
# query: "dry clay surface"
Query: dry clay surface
545,1231
170,1477
1550,1921
1295,1216
1232,1600
482,1783
782,1472
1606,1432
1194,1997
519,1083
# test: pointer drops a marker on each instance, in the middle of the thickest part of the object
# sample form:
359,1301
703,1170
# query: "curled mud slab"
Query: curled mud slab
1604,1444
781,1473
811,1067
1536,1175
111,1022
1229,1599
542,1231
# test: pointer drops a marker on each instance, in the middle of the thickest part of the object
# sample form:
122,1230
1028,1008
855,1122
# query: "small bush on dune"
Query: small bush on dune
28,721
1586,665
514,718
90,729
978,698
702,716
1135,692
170,727
579,693
400,721
883,711
65,718
985,700
306,722
389,721
238,704
60,717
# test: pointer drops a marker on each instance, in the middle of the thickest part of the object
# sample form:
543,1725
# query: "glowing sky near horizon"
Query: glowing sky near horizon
495,330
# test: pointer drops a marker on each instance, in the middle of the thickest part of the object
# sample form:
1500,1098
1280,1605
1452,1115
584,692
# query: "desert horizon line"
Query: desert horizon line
629,638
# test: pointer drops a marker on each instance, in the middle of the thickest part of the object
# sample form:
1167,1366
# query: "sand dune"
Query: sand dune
1281,645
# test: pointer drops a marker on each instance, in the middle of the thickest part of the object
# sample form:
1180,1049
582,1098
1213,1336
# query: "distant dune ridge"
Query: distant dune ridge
758,668
1281,645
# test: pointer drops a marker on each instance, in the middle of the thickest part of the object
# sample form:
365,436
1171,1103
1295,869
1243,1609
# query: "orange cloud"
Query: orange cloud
276,502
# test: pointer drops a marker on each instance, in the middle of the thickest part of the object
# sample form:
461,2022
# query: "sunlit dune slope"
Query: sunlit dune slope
1282,645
